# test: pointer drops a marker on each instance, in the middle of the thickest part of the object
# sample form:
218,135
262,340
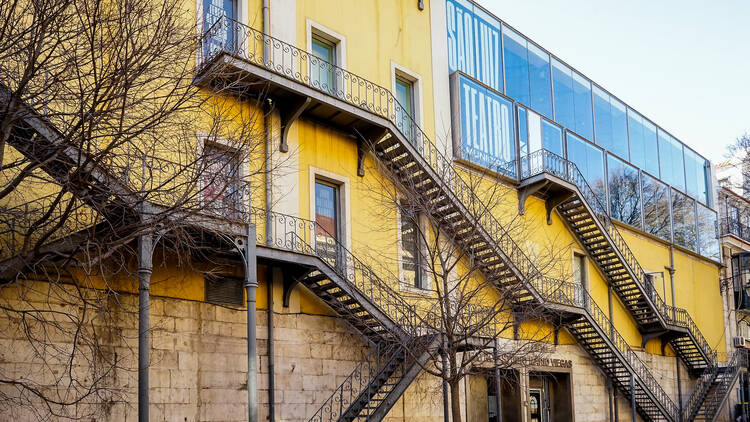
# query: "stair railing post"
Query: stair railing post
632,397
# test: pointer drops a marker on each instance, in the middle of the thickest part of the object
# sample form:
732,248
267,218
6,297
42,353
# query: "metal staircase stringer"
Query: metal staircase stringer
407,378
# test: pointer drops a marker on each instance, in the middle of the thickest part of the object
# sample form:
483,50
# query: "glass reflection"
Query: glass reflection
572,97
644,151
683,211
624,192
708,242
552,138
695,175
590,161
610,123
670,158
540,87
515,59
656,207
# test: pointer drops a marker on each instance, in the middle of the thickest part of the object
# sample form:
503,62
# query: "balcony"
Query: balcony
731,227
236,58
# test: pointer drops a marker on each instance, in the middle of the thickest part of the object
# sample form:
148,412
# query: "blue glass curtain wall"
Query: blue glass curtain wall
645,177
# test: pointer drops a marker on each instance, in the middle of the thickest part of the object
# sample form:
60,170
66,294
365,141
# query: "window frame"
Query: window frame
420,273
403,73
243,165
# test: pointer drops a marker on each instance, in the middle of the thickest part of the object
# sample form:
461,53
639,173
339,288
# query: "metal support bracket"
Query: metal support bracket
645,338
289,113
290,281
553,201
364,140
528,190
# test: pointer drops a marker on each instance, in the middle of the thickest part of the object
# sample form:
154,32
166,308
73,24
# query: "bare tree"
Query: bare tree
104,137
476,319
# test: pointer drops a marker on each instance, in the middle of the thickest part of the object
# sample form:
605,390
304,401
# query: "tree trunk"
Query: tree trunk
455,399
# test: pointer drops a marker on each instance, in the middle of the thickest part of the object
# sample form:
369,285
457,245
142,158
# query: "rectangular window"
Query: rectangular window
610,123
322,61
405,107
624,192
656,216
572,98
579,269
590,162
695,175
410,249
584,113
220,182
552,138
327,220
671,160
222,35
708,242
516,61
644,151
540,87
683,218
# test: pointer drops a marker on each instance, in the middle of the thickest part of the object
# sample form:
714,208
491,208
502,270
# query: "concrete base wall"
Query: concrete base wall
198,372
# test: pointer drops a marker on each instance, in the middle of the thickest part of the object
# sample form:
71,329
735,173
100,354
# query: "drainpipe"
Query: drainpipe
145,268
267,124
671,271
271,365
251,287
498,397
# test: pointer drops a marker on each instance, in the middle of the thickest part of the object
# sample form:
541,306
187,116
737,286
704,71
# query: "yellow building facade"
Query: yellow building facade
398,164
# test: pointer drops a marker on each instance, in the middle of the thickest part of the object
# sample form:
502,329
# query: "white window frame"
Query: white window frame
426,280
585,275
338,41
401,72
344,197
230,145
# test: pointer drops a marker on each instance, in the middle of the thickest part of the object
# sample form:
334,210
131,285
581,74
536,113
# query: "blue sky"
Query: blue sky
683,64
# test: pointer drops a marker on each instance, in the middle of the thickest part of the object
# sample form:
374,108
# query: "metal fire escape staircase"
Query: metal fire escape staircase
713,388
370,112
567,191
402,343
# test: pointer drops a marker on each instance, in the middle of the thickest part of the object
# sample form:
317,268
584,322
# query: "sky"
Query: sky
683,64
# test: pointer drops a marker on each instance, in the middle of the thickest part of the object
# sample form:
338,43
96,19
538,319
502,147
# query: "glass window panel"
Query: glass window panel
651,148
540,87
602,118
410,255
487,127
474,43
523,131
321,71
671,161
535,131
708,243
552,137
516,66
683,217
695,175
624,192
619,129
224,37
637,147
583,108
656,216
326,219
590,161
405,107
564,96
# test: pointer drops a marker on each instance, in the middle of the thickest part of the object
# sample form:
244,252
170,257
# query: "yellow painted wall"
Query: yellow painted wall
377,33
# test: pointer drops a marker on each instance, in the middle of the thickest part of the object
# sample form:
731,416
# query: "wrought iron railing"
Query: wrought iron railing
302,67
544,161
730,226
739,360
44,219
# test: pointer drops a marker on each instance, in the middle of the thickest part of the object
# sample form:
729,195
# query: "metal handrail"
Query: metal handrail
730,226
738,360
544,161
298,65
